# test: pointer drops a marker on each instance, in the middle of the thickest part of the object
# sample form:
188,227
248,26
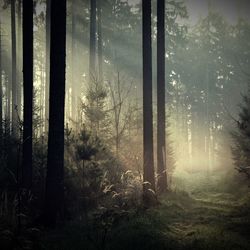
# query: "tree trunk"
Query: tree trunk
148,159
48,3
8,88
161,135
42,95
100,53
92,41
14,75
207,140
1,93
73,65
55,166
19,63
27,92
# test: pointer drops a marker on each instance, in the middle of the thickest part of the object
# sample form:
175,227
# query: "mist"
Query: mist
150,124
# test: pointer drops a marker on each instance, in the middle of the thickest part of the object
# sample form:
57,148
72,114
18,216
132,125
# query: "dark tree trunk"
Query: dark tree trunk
55,166
14,75
19,63
100,53
148,159
48,3
1,93
161,135
92,41
27,92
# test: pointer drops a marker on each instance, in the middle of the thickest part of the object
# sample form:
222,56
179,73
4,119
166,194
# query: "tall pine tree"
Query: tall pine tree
148,157
48,3
27,92
241,137
55,166
161,134
14,69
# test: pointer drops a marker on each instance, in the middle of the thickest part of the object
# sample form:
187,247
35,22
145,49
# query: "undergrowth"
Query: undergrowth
180,221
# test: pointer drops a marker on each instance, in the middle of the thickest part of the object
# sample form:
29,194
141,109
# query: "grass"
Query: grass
208,220
205,221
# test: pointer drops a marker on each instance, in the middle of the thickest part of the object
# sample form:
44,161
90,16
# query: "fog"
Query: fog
106,167
203,85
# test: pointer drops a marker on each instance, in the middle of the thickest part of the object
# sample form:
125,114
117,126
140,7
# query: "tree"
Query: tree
148,158
241,138
55,165
201,80
19,58
1,92
161,134
48,3
100,45
8,95
14,69
27,92
170,159
121,25
121,110
92,39
73,61
95,108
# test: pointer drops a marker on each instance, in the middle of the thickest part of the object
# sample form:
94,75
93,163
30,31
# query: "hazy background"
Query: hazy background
230,9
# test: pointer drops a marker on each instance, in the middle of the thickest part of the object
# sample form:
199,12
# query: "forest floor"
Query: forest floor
205,220
208,221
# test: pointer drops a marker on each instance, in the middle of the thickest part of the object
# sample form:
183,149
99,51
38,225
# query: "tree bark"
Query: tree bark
19,63
148,158
161,116
48,3
14,75
55,166
27,92
1,93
